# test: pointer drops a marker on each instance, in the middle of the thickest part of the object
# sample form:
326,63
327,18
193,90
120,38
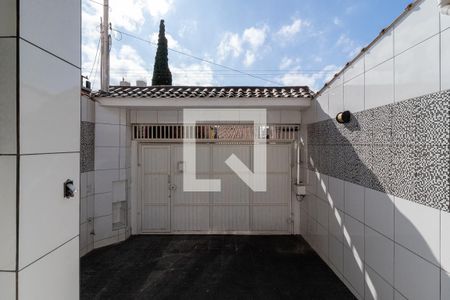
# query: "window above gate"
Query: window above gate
214,132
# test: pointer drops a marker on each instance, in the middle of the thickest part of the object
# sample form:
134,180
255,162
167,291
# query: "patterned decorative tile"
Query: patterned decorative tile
313,157
404,172
337,167
359,130
358,164
382,125
404,122
433,119
432,186
325,159
383,158
87,147
311,132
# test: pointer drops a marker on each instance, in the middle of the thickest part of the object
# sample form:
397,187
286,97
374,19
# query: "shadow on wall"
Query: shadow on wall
385,150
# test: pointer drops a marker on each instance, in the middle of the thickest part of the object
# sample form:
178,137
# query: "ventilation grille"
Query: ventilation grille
214,133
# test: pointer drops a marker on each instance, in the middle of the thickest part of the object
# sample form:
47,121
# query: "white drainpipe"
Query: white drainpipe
445,7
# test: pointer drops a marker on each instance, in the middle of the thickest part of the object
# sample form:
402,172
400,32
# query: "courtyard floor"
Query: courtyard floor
209,267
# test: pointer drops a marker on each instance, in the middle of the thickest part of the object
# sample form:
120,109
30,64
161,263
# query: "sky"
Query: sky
282,42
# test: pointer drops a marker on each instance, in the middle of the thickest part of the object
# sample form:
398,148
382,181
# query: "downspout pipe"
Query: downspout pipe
445,7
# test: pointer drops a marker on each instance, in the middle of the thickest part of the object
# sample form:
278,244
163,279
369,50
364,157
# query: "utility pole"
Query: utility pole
105,47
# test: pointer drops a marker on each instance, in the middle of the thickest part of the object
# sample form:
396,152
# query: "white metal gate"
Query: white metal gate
166,208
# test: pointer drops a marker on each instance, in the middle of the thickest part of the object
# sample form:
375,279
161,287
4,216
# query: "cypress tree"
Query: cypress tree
161,71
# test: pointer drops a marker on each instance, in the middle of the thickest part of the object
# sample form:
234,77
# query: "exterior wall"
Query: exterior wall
377,209
112,175
176,116
39,148
87,176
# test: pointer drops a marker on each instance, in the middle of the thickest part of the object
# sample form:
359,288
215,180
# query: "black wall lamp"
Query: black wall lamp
343,117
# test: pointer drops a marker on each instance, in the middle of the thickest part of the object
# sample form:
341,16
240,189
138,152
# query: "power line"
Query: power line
197,58
95,59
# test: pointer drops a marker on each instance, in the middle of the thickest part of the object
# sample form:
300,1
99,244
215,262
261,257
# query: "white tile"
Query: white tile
90,183
445,60
107,135
83,235
53,25
322,107
106,158
55,276
379,212
123,158
445,285
379,254
415,278
8,212
381,51
376,287
336,224
445,241
83,210
84,109
8,18
146,116
322,213
336,101
421,23
49,104
354,235
379,89
273,117
312,182
8,99
322,242
290,117
354,200
90,111
445,22
103,204
168,116
398,296
103,228
336,254
355,69
107,115
119,191
417,228
47,219
7,285
354,270
354,94
336,193
422,76
123,136
104,180
123,116
339,81
322,186
90,206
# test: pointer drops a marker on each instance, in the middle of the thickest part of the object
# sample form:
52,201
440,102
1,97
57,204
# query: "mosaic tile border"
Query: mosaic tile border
402,149
87,147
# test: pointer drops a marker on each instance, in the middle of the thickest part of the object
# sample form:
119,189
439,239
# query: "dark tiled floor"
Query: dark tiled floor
209,267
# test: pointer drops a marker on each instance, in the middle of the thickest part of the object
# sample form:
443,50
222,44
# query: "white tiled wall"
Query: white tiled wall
383,247
8,213
7,285
8,98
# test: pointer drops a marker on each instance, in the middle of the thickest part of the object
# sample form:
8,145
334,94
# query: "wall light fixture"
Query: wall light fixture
343,117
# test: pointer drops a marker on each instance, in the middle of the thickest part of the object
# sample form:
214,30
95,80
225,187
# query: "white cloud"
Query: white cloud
250,43
172,43
157,8
193,75
187,27
297,77
255,36
348,45
289,31
127,63
337,21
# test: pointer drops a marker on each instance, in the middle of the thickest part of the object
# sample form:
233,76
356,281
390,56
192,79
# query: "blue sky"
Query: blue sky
286,42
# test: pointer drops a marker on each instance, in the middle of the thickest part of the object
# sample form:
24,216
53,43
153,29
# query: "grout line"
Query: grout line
17,145
48,253
50,153
50,53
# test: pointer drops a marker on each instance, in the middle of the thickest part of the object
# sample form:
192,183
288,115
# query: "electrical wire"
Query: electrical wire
95,59
197,58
